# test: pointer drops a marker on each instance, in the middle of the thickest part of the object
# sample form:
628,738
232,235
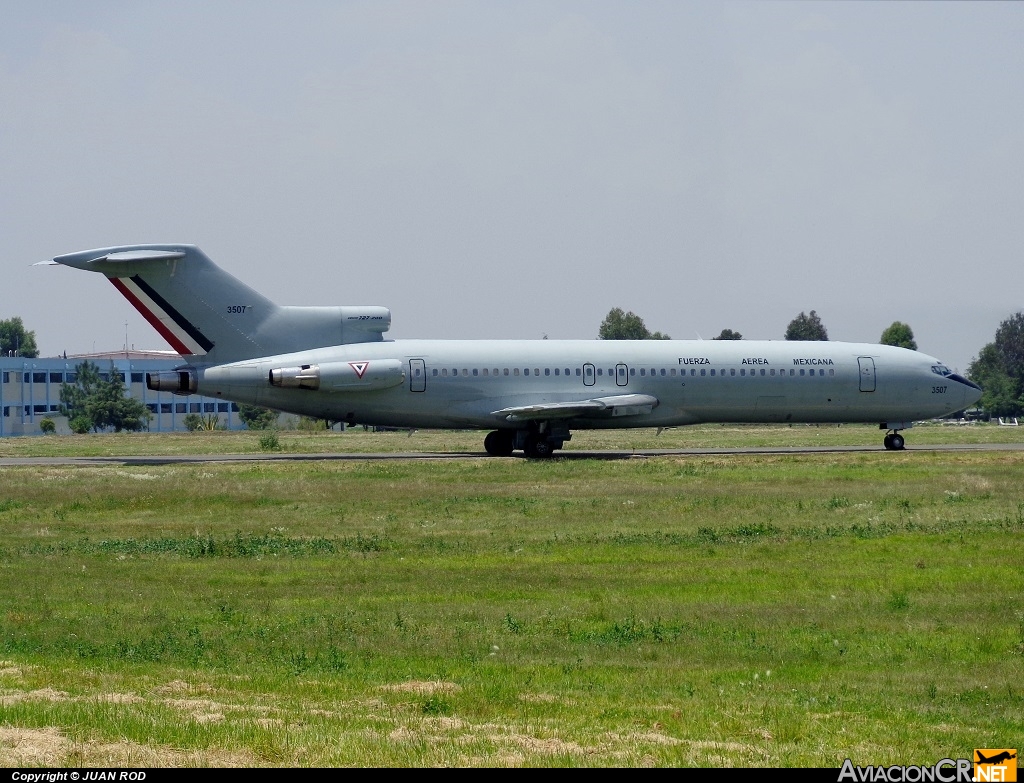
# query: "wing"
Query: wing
598,407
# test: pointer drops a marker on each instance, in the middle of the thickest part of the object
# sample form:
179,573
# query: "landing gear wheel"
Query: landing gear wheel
894,441
499,443
538,447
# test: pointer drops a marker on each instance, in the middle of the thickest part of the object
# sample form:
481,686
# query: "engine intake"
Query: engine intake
305,377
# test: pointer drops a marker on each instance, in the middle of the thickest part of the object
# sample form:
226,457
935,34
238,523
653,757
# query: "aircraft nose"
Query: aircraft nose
972,391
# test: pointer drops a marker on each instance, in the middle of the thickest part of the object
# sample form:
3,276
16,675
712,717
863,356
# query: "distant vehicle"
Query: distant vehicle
333,363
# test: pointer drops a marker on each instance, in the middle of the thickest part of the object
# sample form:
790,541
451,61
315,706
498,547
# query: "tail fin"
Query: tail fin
203,311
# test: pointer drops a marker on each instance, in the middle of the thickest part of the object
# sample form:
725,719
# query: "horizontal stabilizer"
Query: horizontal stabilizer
597,407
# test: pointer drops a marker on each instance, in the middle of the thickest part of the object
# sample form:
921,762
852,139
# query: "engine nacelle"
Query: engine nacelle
364,375
177,381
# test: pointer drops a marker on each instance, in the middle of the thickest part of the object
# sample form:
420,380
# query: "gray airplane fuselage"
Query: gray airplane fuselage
462,383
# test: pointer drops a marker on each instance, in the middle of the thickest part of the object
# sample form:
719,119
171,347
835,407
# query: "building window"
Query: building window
195,407
7,377
181,407
56,377
137,377
222,407
209,407
7,411
151,406
39,409
39,377
166,407
72,377
234,407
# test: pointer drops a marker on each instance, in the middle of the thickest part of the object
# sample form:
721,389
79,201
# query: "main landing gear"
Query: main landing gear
893,441
540,440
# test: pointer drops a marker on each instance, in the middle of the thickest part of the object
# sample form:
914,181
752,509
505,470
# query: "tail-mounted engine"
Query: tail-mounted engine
340,376
177,381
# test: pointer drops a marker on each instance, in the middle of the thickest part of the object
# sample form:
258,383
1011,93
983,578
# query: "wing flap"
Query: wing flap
597,407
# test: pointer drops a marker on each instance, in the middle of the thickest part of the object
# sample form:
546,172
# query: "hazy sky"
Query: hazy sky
516,169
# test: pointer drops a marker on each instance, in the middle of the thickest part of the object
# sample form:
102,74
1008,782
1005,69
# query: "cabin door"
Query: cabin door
621,375
867,373
417,375
589,375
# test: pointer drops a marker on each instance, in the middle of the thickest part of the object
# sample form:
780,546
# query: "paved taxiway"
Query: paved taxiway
426,455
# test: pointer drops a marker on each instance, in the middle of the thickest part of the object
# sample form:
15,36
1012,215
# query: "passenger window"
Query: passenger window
831,372
476,372
801,371
485,372
643,372
515,371
672,372
577,372
526,371
792,373
567,371
732,371
444,372
632,371
434,372
536,371
600,372
506,371
712,373
743,371
556,371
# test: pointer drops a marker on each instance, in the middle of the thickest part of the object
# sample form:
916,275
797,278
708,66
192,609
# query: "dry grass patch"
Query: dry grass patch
422,688
49,747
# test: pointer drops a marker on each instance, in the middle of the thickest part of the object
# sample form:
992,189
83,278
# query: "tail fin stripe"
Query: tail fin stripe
182,322
163,322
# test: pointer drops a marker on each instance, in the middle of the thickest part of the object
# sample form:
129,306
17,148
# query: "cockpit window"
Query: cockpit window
941,369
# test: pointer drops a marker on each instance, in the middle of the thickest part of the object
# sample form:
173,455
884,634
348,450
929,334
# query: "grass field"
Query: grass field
749,610
356,440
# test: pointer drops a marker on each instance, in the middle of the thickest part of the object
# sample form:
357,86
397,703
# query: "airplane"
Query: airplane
1004,756
334,363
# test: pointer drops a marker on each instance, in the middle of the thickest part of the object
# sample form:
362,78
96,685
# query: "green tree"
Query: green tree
999,369
257,418
618,325
15,340
1010,344
806,327
729,334
900,335
97,404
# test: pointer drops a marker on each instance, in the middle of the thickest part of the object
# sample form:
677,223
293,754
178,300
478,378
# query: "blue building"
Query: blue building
30,391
